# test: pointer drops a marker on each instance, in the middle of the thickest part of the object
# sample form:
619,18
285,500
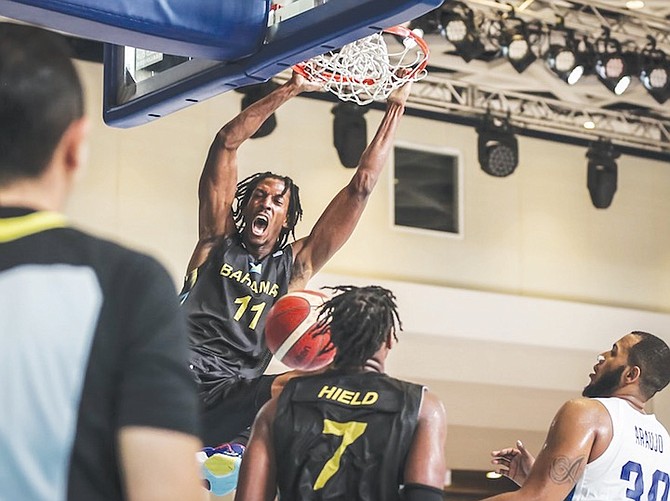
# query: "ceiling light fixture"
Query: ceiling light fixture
601,177
564,56
350,135
459,28
655,72
635,4
429,23
516,42
256,92
613,67
497,147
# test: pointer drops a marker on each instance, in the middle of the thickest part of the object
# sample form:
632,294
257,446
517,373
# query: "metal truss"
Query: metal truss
441,96
527,111
587,17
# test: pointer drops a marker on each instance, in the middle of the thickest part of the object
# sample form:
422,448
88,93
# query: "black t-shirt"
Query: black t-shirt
91,340
226,301
344,436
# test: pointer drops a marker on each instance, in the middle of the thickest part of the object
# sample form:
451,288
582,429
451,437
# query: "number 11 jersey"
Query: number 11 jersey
226,301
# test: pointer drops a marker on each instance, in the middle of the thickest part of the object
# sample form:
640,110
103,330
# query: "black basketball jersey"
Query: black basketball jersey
92,342
226,301
344,436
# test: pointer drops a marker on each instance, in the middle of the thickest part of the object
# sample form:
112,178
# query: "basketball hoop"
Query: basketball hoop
366,70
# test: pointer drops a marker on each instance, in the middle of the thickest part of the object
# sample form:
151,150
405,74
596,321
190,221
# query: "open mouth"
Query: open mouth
259,224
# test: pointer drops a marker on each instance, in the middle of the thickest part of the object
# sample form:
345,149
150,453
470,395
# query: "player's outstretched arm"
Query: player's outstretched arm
257,480
218,180
160,464
578,426
426,468
514,462
338,221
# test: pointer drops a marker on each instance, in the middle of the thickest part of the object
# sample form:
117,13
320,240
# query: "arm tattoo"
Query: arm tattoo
565,470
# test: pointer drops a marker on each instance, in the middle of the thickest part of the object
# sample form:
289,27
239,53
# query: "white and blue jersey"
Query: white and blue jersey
636,463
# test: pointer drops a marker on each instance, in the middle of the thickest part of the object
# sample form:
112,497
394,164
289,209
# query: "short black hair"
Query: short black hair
40,96
652,355
243,194
360,319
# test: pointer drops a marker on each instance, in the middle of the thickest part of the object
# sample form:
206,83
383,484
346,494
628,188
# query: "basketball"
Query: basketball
290,331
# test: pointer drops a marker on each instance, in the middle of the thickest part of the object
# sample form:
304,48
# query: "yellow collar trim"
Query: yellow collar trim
13,228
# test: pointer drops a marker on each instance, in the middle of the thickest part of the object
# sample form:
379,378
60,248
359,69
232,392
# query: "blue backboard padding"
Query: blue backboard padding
223,30
297,39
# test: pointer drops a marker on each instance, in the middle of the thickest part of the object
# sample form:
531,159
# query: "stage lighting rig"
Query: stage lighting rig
459,28
655,72
567,57
613,66
253,93
516,42
497,147
350,136
601,177
429,23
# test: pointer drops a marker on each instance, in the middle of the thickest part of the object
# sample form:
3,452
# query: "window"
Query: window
427,192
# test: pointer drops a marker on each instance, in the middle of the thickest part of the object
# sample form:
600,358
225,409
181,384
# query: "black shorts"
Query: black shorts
231,416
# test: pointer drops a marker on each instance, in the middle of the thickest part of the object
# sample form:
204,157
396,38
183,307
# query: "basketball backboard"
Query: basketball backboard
141,85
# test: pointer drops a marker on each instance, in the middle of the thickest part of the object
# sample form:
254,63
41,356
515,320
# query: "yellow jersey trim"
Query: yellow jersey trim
13,228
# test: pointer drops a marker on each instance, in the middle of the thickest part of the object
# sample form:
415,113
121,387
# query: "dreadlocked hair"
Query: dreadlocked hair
360,319
243,194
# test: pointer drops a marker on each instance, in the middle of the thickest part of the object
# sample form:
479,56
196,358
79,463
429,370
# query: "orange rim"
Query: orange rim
394,30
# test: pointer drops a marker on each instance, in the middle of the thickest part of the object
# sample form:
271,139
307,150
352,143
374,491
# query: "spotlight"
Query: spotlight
614,67
428,23
253,93
516,45
498,147
601,177
458,27
567,60
350,134
635,4
655,72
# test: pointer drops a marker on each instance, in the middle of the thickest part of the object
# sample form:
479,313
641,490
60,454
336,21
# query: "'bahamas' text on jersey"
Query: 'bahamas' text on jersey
262,287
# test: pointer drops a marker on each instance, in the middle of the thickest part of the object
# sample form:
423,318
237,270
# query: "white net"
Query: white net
366,70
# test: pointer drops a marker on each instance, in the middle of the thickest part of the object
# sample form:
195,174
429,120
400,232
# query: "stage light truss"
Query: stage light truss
441,95
586,17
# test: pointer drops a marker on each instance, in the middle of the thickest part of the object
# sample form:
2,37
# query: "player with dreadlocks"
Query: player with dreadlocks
351,432
243,262
359,322
245,189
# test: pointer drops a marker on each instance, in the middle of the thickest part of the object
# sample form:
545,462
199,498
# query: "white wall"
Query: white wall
504,324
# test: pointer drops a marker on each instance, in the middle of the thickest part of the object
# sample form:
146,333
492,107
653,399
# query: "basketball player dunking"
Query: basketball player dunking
242,264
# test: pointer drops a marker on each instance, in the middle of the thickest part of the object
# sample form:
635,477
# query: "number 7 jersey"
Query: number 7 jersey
636,463
344,436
